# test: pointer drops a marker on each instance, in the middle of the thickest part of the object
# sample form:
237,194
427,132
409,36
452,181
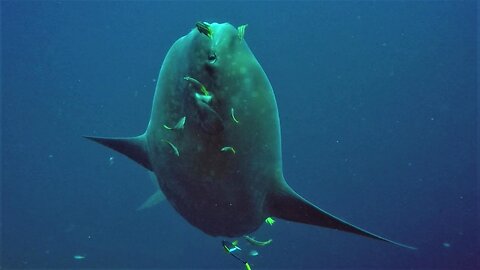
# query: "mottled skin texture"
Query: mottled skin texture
219,192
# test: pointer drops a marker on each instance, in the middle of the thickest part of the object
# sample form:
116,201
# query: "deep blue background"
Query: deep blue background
378,106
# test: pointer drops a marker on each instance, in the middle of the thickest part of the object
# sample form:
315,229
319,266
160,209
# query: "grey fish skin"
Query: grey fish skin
206,76
220,193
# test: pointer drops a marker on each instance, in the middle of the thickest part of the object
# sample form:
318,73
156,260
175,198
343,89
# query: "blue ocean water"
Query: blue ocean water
378,108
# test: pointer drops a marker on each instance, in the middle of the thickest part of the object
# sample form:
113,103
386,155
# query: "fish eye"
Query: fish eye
212,57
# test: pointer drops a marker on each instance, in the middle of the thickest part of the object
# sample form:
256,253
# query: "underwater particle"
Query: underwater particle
111,160
70,227
446,244
79,257
253,253
50,156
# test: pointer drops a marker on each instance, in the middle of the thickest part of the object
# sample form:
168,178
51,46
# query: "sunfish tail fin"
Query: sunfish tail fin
288,205
133,147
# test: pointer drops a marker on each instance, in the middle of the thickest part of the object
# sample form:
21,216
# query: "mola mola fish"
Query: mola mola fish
213,139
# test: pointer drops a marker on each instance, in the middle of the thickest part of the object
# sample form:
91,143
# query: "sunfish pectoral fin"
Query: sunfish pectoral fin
133,147
287,204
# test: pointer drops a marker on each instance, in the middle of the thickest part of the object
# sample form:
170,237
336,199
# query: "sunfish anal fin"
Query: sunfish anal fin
287,204
156,197
153,200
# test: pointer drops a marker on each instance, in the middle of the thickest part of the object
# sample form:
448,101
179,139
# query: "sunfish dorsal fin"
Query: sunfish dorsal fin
132,147
287,204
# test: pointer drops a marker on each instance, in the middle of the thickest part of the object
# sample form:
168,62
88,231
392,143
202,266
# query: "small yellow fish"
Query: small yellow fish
202,87
204,28
180,124
174,148
256,242
232,113
228,148
241,31
270,221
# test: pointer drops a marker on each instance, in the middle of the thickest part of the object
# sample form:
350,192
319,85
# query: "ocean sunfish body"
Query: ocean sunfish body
213,139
